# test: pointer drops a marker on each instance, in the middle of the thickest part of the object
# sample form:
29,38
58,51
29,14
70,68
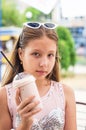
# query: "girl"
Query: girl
36,53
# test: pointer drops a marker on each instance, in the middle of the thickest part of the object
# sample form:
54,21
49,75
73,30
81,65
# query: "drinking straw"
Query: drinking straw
9,62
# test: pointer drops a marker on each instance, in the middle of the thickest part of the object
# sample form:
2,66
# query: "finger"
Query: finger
29,107
31,113
25,102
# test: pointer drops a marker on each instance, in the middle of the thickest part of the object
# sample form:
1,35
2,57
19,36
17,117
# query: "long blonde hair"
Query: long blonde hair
25,37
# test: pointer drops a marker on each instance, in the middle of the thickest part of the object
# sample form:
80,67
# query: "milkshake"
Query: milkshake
27,85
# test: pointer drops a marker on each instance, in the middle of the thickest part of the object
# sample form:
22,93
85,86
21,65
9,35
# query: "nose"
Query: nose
44,62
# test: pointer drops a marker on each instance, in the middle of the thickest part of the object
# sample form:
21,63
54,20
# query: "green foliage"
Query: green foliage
66,38
37,15
64,53
10,14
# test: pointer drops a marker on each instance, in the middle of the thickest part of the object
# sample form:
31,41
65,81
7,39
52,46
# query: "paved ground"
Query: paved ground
77,82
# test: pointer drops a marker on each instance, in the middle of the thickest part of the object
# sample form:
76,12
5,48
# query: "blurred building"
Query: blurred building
8,36
76,25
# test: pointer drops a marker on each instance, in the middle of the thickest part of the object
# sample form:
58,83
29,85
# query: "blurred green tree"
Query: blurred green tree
36,15
10,14
64,53
66,47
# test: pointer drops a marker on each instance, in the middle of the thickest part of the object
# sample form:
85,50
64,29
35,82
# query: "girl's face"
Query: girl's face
38,58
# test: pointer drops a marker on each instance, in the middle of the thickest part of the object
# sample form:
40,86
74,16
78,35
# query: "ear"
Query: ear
20,53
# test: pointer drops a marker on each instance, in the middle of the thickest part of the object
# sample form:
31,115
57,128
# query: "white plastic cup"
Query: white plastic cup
27,85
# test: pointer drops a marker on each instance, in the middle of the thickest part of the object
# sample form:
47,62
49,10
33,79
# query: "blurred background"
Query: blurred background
70,16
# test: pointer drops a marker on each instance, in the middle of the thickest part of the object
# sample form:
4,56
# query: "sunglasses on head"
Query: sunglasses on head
36,25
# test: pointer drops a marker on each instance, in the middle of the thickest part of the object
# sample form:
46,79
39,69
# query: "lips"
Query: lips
41,72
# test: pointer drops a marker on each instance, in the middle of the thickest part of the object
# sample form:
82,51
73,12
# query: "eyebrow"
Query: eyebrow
42,51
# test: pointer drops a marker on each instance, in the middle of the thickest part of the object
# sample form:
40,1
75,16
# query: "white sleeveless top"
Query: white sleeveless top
52,116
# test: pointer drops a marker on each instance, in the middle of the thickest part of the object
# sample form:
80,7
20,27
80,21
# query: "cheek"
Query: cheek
52,64
28,64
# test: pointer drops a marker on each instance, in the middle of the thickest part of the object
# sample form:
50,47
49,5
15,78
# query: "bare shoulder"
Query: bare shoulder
70,108
68,90
3,100
69,93
4,112
2,94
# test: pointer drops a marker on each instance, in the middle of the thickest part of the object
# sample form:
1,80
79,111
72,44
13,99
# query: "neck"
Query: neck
43,86
42,83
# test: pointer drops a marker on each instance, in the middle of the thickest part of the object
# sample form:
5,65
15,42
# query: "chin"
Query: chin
40,78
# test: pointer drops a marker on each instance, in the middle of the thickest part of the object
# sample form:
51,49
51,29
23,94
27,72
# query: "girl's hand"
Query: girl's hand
26,109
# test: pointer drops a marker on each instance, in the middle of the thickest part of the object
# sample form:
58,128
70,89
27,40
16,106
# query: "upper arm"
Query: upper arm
70,109
5,120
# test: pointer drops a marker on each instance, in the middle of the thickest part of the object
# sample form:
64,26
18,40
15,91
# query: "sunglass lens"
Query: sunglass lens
34,25
49,25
